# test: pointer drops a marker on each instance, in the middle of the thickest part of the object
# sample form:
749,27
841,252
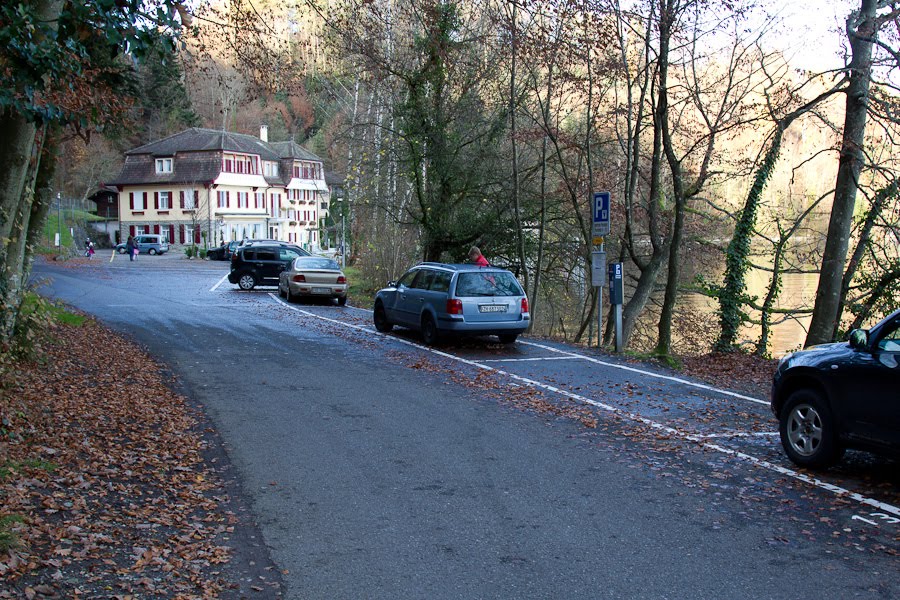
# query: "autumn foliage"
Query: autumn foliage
104,486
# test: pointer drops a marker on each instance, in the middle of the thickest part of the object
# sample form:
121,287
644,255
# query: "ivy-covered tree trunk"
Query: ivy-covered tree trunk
16,153
731,295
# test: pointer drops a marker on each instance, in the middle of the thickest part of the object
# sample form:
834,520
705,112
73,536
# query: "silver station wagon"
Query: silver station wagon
442,299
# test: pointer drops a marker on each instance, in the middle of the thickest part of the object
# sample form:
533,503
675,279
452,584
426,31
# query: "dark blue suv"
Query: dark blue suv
845,395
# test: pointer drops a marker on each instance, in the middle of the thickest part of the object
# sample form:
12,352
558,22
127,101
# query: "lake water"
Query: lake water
798,291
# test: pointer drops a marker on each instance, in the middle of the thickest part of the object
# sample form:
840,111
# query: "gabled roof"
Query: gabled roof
292,149
197,139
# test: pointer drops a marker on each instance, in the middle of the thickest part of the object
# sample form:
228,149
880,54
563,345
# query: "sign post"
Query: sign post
599,229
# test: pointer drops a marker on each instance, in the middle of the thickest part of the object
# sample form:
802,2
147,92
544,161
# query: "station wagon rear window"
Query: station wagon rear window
487,284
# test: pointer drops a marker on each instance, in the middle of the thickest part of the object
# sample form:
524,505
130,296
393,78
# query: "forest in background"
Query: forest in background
491,122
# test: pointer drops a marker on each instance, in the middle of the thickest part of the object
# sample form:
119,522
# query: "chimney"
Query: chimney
264,133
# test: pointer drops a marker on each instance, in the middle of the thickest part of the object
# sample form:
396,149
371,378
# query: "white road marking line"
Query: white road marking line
736,434
837,490
493,360
221,281
701,386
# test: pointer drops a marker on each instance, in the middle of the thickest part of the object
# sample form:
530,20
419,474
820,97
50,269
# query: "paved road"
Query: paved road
378,468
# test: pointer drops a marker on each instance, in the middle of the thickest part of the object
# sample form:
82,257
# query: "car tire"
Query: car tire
152,252
430,333
281,293
289,296
247,282
379,316
807,430
508,338
342,300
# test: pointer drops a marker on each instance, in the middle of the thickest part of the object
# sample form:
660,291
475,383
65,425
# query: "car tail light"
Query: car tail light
342,279
524,305
454,307
299,279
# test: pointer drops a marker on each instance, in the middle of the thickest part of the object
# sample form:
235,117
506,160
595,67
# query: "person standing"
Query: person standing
477,258
90,250
131,248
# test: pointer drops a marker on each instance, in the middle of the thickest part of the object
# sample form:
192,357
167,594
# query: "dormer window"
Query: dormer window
163,165
271,168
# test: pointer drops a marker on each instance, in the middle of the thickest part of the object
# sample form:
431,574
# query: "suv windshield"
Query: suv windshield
487,284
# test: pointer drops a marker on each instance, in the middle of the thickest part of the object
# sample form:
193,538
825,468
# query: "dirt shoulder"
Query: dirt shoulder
115,486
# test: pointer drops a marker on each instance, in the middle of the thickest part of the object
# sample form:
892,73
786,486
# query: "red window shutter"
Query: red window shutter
131,231
181,198
156,229
131,202
181,233
156,200
171,200
197,198
172,233
227,199
196,235
255,200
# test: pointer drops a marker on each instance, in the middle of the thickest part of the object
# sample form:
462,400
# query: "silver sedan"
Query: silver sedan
313,277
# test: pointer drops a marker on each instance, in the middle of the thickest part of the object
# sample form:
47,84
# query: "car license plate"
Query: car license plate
320,290
491,308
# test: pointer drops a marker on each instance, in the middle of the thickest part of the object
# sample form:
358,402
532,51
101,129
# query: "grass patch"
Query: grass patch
33,305
362,290
12,467
8,537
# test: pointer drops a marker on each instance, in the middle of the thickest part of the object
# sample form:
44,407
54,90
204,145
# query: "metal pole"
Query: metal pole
618,328
58,220
600,312
343,244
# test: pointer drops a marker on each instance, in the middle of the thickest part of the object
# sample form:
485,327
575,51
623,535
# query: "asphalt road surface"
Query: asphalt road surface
379,468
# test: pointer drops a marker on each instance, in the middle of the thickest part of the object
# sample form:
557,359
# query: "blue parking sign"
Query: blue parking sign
601,214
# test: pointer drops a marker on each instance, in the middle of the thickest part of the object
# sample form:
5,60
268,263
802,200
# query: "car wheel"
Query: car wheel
508,338
429,331
380,318
281,293
342,300
290,297
247,282
121,250
152,252
807,431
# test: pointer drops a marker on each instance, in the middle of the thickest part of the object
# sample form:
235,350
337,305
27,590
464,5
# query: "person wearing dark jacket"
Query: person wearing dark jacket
131,247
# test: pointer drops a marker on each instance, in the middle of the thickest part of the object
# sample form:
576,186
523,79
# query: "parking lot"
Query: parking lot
716,447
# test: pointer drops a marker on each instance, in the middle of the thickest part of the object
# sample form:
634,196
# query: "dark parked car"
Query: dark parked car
440,299
222,252
835,396
262,263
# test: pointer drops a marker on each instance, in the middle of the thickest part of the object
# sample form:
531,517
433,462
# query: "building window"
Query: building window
189,203
140,201
165,201
271,168
243,199
163,165
222,199
141,229
259,200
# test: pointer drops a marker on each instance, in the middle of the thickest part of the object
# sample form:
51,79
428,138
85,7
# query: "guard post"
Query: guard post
616,298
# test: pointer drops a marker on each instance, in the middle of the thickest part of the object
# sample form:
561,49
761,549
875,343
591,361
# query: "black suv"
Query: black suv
262,263
836,396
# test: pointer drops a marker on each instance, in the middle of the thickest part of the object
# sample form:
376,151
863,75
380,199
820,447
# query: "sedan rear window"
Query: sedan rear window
487,284
316,263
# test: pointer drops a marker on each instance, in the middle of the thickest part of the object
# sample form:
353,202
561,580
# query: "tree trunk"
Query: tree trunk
825,317
16,242
520,235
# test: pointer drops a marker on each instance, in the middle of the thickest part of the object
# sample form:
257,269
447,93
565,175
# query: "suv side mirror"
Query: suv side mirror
391,284
859,339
